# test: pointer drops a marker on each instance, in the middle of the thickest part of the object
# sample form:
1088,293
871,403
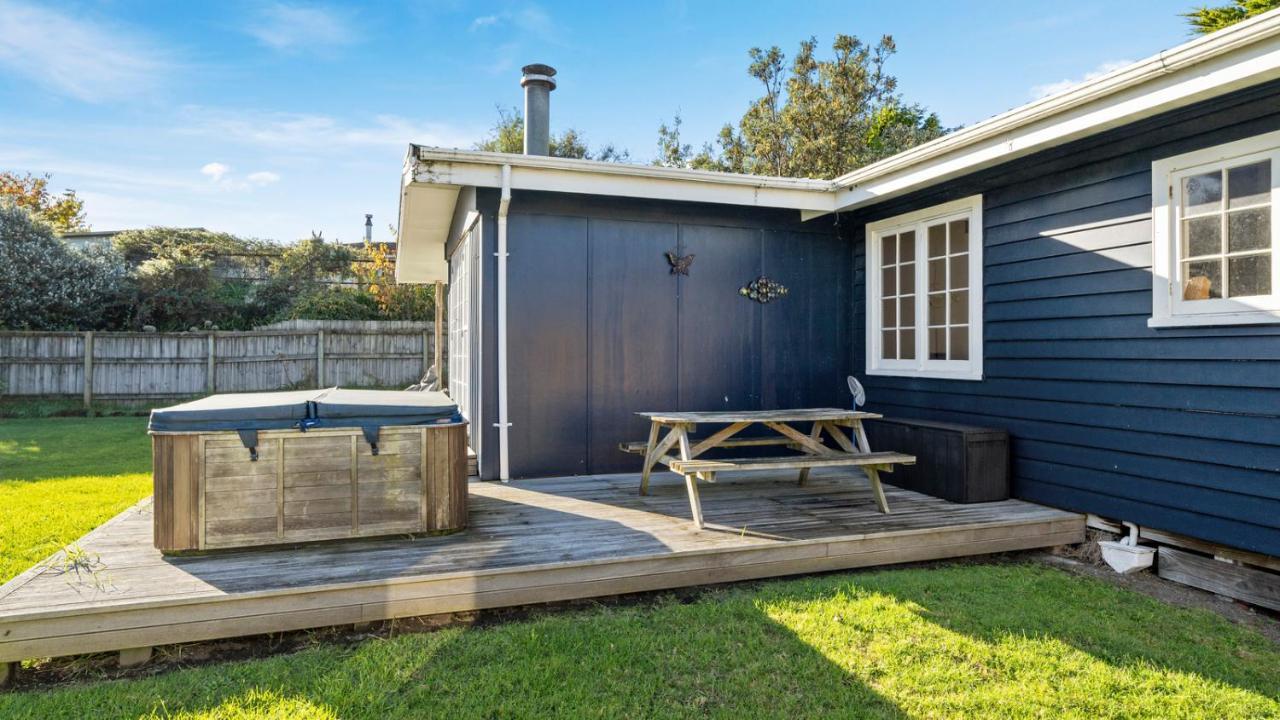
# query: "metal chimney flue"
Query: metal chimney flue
538,82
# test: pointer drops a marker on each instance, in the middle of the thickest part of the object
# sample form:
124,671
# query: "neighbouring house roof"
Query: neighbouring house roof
1240,56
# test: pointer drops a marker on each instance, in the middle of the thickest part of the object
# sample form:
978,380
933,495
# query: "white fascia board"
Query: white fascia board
596,178
1197,71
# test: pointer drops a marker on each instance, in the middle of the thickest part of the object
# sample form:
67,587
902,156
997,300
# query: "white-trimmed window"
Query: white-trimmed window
924,292
1215,239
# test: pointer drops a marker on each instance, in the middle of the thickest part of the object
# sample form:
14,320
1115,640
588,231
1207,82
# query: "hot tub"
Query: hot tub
250,469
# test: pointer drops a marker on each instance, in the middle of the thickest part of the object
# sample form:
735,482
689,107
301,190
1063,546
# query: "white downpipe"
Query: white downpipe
504,456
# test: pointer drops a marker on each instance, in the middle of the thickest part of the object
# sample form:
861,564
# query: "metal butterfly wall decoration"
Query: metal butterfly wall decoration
679,263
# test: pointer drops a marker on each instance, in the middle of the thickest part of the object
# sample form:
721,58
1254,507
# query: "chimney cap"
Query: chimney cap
538,72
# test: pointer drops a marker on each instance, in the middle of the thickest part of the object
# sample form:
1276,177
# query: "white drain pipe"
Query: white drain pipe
504,456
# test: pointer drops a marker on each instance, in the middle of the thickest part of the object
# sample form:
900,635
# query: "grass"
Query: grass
61,477
1006,641
996,640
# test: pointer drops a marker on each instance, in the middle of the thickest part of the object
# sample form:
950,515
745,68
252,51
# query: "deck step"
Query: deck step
792,462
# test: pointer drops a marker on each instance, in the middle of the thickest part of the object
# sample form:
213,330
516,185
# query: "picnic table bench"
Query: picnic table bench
851,450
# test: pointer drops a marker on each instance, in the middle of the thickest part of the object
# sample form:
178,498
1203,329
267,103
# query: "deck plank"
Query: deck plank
529,541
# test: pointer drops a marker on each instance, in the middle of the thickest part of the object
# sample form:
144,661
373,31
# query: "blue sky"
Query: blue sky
275,119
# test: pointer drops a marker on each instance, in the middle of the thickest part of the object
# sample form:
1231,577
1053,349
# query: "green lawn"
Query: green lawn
997,640
1006,641
60,477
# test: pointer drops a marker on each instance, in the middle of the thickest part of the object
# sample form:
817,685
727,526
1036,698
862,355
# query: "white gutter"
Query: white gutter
504,447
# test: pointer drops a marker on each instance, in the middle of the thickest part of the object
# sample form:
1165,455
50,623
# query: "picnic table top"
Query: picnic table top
734,416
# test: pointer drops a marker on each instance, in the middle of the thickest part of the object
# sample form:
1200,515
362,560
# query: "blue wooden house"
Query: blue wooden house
1097,272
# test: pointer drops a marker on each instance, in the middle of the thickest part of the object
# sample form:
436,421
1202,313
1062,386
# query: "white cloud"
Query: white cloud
1054,88
215,170
263,177
286,27
221,175
75,56
293,132
530,19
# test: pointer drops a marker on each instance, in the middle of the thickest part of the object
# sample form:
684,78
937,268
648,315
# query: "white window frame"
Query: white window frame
1168,309
922,366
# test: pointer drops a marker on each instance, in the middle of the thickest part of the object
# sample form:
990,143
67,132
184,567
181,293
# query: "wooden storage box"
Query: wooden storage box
322,484
960,463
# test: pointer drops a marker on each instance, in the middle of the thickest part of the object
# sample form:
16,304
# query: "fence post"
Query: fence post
211,379
88,373
319,358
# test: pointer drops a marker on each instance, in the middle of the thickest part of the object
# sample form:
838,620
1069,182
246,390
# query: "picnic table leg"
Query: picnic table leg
876,489
873,473
649,459
815,434
690,479
695,503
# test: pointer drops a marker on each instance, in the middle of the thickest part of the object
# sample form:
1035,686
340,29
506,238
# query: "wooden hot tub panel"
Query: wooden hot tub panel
319,485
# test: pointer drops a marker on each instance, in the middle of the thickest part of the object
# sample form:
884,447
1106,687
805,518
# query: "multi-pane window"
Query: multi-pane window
1226,233
1214,243
898,295
948,272
924,292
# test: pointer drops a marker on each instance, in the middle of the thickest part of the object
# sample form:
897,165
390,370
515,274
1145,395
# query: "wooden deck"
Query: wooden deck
529,542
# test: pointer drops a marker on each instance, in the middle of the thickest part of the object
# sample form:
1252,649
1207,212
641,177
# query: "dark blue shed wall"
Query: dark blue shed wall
1178,429
599,328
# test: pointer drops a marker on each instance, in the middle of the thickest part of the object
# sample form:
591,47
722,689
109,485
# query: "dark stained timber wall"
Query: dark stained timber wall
1178,429
600,328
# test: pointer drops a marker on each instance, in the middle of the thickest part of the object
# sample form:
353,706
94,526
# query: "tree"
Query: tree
507,136
820,119
1205,20
47,285
65,212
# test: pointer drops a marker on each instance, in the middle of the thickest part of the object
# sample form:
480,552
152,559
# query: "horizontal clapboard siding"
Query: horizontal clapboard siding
1178,429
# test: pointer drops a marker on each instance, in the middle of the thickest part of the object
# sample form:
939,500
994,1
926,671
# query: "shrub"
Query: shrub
333,303
46,285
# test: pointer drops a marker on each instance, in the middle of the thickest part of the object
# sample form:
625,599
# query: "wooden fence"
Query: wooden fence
130,365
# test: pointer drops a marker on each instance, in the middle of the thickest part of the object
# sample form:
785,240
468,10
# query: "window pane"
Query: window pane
907,278
938,309
937,275
960,271
906,246
889,313
959,236
907,343
888,250
1249,275
1202,280
1249,229
907,312
937,343
937,240
889,345
960,343
960,307
1202,193
1203,236
1249,184
888,282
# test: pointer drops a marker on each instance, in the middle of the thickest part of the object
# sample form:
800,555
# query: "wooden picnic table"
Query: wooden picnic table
850,450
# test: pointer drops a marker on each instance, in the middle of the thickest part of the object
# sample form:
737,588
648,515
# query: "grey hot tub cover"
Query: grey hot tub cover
247,413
